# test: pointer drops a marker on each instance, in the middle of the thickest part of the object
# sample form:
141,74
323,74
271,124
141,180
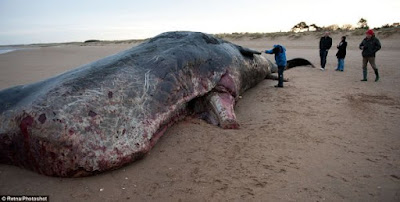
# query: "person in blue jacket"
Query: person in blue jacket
280,58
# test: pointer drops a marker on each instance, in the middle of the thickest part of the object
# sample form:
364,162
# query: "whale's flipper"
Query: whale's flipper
290,64
298,62
247,52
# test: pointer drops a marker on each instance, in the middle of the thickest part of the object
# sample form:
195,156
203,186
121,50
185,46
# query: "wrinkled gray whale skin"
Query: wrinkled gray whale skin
111,112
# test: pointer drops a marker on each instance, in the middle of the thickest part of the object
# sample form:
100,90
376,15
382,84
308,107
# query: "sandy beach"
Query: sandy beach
326,136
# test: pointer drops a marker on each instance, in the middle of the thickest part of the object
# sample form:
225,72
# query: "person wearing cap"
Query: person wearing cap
341,54
325,43
369,46
280,58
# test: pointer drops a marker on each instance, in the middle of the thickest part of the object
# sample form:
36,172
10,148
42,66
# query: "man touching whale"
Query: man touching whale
280,59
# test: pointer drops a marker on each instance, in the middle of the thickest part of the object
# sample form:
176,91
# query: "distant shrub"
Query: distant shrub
347,27
334,29
386,32
358,32
91,41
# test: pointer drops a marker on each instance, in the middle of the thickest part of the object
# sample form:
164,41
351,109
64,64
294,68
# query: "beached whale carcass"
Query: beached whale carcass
110,112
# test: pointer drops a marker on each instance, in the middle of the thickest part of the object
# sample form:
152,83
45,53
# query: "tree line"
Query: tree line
362,24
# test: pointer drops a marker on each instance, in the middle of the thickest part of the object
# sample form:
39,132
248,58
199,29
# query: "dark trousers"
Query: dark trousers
280,75
323,53
371,61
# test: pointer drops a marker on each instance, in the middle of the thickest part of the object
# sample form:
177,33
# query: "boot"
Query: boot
280,83
365,72
377,75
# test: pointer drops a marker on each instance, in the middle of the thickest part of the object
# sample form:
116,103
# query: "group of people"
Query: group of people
369,46
325,44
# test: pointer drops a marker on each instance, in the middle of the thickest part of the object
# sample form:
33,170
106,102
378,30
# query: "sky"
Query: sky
50,21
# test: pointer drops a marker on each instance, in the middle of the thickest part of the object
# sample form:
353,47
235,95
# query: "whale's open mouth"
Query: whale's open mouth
216,107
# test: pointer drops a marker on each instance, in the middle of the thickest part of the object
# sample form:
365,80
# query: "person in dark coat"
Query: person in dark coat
341,54
325,43
369,46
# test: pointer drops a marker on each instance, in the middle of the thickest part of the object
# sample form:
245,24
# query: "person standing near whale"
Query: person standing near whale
341,54
369,46
325,43
280,58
